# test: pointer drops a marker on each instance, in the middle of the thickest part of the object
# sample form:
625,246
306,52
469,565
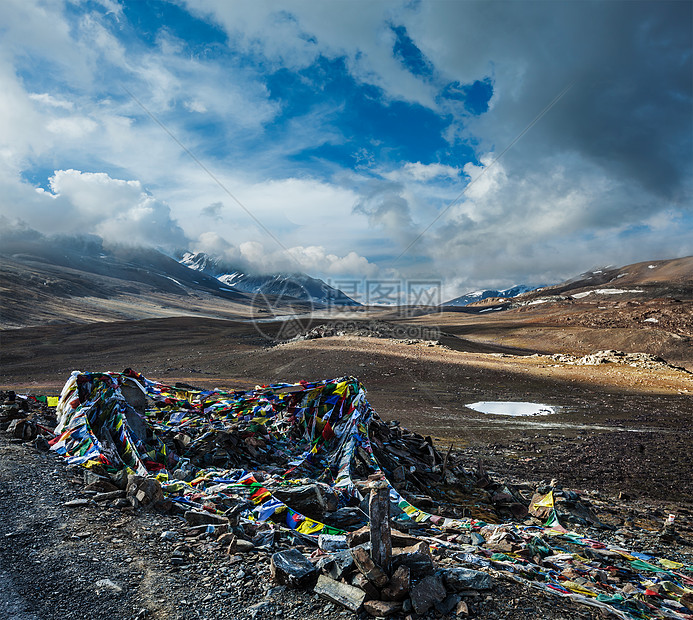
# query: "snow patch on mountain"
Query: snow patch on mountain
296,285
468,298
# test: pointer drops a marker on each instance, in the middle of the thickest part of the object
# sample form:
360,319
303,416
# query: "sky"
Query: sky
479,144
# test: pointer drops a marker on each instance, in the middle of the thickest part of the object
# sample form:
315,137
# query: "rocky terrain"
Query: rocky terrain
66,537
614,366
72,562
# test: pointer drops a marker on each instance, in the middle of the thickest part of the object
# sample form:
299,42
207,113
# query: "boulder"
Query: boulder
336,564
417,558
311,500
201,517
143,491
398,587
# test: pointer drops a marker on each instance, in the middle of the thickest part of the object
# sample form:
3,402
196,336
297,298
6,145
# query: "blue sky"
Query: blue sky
367,139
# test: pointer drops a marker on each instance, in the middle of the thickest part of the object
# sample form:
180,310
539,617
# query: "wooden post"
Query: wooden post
379,512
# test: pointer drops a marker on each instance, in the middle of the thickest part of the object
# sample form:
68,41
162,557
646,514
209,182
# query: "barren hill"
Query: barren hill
645,307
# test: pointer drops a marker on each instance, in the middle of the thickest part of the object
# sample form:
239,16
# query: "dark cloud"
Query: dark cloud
630,106
387,208
213,210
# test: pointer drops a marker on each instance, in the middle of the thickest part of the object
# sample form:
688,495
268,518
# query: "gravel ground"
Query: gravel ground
54,560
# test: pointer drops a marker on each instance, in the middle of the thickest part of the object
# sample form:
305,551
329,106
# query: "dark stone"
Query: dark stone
360,536
417,558
109,496
368,567
382,609
310,500
399,585
200,517
345,518
25,429
458,579
143,491
448,604
341,593
41,444
429,591
360,581
292,568
336,564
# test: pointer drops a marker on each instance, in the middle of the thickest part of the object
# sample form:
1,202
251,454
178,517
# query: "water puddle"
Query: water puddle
514,409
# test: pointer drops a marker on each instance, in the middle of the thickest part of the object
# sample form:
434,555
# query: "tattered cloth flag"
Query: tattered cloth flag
552,522
220,451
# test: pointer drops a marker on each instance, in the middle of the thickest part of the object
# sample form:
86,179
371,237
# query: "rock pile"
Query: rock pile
16,417
373,329
411,584
610,356
369,515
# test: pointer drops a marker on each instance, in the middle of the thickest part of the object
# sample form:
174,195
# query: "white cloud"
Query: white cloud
612,157
113,8
422,173
50,100
544,227
426,172
72,128
195,105
120,211
266,258
296,35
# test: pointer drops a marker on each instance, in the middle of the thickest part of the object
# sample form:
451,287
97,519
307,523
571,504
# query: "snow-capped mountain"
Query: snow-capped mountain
296,285
469,298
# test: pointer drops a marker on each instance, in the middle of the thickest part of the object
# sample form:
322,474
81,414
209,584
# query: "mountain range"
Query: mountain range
77,280
469,298
296,285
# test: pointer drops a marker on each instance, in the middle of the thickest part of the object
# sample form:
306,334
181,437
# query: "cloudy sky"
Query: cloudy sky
482,143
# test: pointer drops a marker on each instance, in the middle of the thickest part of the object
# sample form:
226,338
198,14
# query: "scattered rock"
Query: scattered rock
107,584
77,503
109,496
201,517
462,609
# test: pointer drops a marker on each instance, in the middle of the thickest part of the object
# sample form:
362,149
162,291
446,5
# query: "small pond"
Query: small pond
515,409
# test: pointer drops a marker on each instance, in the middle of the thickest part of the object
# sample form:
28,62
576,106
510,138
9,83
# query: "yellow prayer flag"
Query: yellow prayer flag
578,589
546,501
309,527
670,564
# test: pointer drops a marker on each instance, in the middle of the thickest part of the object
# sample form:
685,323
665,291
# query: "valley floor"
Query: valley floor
618,430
